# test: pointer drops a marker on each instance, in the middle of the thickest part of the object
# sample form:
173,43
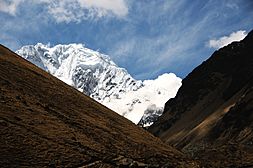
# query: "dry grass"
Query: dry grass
46,123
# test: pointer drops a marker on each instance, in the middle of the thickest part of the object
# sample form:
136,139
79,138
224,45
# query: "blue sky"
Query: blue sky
147,37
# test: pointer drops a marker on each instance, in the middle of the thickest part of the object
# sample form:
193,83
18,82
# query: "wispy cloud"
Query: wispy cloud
78,10
225,40
146,38
102,7
9,6
173,36
72,10
9,41
32,20
164,40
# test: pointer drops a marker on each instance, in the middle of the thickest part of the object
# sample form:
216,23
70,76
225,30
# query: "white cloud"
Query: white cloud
225,40
72,10
157,92
64,11
101,7
9,6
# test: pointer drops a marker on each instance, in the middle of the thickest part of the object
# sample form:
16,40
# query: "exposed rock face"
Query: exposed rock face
89,71
150,115
213,108
96,75
46,123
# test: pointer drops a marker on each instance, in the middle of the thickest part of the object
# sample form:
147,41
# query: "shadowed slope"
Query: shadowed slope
45,122
213,109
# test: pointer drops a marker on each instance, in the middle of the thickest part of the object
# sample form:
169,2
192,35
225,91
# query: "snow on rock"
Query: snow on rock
154,92
150,115
97,76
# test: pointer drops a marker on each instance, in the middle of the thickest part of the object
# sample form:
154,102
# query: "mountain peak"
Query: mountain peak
97,76
72,62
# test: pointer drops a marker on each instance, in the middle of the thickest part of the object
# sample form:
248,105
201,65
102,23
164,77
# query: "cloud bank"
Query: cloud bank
225,40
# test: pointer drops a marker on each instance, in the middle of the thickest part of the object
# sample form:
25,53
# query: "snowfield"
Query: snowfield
97,76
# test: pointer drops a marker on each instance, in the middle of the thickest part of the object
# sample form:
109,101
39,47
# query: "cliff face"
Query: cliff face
213,108
46,123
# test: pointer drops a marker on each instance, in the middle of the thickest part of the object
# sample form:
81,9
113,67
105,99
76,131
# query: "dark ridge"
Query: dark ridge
213,108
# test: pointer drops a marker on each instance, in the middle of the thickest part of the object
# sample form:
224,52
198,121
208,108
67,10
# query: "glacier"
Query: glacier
97,76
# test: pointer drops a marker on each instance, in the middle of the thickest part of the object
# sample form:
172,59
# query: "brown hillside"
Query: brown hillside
46,123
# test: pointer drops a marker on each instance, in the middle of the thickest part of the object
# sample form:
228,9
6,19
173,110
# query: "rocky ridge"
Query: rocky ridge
211,116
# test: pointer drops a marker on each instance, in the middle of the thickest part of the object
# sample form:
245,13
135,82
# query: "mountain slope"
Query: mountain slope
213,109
88,71
46,123
97,76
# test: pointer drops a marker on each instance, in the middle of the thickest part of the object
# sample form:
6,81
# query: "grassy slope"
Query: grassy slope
45,122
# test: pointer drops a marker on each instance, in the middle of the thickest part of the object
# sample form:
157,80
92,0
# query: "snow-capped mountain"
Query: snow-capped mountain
96,75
